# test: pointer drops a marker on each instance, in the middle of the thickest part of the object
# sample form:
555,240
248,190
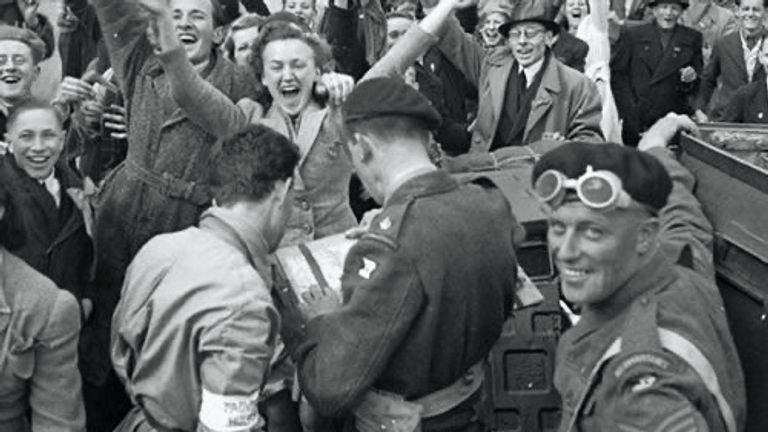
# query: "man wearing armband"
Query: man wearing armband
652,350
425,289
195,328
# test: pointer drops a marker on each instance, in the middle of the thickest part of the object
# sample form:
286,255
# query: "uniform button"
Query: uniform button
308,228
304,205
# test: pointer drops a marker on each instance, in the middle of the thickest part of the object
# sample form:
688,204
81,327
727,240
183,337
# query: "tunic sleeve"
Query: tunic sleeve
345,351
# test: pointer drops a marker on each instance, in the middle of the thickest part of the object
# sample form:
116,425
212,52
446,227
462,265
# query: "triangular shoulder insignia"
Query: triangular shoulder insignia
386,226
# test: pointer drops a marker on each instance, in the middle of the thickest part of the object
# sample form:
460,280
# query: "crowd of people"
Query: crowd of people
190,139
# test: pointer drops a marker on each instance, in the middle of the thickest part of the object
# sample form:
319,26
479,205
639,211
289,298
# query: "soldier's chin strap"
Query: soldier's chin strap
681,347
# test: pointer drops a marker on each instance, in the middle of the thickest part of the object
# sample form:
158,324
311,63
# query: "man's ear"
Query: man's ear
647,235
549,38
362,147
36,73
219,33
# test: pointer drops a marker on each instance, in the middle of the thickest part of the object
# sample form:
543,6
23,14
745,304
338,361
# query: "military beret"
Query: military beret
378,97
643,176
26,36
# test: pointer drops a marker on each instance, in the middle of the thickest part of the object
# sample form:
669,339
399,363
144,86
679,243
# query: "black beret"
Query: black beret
378,97
643,176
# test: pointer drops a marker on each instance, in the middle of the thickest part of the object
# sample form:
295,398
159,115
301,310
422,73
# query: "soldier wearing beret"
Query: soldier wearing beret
425,289
652,350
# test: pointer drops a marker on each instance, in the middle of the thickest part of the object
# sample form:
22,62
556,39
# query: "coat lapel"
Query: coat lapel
669,62
312,120
650,49
498,78
733,49
541,104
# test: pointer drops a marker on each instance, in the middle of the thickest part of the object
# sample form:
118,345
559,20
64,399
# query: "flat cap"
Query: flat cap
379,97
643,176
26,36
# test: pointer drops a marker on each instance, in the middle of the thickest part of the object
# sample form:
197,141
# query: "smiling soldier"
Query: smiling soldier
161,186
652,350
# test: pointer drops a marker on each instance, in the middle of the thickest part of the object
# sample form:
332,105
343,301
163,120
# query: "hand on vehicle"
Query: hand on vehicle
662,132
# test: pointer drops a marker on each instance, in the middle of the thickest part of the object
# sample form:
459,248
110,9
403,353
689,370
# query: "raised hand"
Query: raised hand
156,7
29,8
337,86
74,90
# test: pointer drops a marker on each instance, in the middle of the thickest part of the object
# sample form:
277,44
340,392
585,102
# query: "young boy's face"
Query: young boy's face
36,140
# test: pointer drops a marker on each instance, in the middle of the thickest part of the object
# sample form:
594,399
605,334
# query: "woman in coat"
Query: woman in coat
288,61
39,325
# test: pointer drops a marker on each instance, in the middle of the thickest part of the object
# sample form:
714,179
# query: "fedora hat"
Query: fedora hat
536,11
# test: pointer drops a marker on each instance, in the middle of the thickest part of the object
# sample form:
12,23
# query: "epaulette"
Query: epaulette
385,227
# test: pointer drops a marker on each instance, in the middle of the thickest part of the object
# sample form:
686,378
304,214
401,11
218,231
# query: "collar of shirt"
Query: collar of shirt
750,55
531,70
246,234
53,186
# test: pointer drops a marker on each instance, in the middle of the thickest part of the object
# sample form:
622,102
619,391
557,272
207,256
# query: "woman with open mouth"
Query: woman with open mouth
490,20
289,61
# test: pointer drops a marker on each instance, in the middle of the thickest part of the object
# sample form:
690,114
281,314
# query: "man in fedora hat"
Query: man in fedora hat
525,93
655,69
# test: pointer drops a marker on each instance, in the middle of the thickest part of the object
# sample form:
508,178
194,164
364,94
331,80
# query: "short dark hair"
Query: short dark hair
248,164
390,128
29,105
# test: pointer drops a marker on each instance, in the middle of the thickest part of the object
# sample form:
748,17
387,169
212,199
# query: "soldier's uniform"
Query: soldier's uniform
657,355
195,329
425,293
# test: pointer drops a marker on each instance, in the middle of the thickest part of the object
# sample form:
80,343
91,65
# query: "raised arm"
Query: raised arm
683,223
203,103
124,28
404,54
460,48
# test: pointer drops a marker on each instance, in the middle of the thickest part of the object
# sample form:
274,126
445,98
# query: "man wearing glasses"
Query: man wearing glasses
652,350
525,93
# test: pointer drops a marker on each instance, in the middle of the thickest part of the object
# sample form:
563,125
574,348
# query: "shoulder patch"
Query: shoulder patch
655,360
385,227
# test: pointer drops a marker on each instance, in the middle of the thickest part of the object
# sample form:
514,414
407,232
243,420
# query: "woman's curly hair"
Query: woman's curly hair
282,30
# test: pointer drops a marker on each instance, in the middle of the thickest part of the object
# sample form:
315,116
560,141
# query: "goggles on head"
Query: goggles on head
598,190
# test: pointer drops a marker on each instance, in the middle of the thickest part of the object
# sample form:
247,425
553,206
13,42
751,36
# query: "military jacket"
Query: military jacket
425,294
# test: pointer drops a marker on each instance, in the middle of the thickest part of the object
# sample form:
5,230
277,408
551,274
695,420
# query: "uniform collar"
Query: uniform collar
423,183
233,229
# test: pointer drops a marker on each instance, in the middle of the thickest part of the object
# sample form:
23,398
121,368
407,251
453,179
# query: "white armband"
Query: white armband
223,413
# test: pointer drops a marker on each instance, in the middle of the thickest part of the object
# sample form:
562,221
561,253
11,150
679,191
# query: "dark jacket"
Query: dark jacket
642,355
726,67
56,242
570,50
748,105
417,312
646,79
